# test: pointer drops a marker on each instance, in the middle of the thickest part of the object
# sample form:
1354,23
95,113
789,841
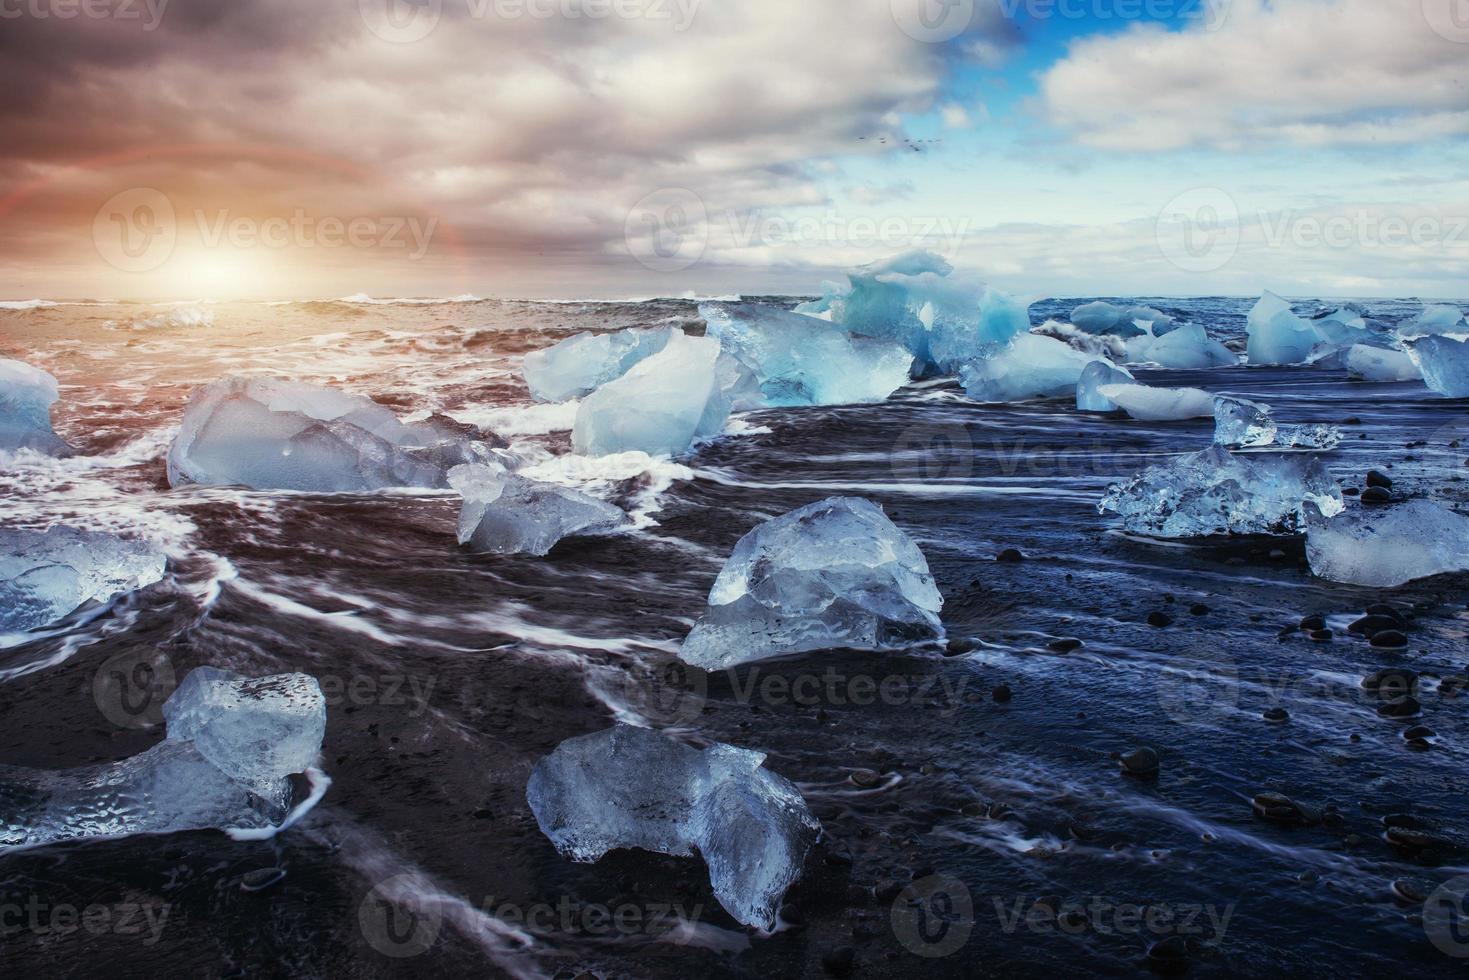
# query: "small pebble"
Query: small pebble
1376,478
1312,623
1403,707
1159,620
1140,762
865,778
1276,715
1376,495
1010,555
1322,636
1198,610
1065,645
1002,694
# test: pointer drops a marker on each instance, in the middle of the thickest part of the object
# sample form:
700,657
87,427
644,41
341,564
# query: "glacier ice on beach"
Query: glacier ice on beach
1029,366
45,576
1277,335
833,574
1102,317
1149,320
795,359
1159,404
1185,347
661,405
634,788
1089,397
232,742
917,300
1388,547
505,514
270,434
1248,425
1444,363
580,365
1440,319
1215,493
26,397
1377,364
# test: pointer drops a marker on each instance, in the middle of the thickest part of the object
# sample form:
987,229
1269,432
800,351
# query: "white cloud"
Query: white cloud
1298,72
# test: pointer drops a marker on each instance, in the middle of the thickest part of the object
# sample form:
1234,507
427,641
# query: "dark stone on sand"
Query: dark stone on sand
1276,715
1403,707
1390,640
1140,762
1313,622
1281,809
1351,492
1376,495
1002,694
1010,555
1418,731
1376,478
1198,609
1383,609
887,890
1169,957
1391,682
865,778
1322,636
1370,626
1411,891
1159,620
1066,645
959,646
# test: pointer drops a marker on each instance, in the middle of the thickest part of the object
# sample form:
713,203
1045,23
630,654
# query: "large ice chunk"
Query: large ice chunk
1385,548
1089,397
916,300
255,730
836,573
634,788
580,365
1183,348
799,360
1213,492
1377,364
232,744
1029,366
45,576
1277,335
1149,404
1439,319
271,434
1102,317
660,406
1248,425
505,514
26,397
1444,363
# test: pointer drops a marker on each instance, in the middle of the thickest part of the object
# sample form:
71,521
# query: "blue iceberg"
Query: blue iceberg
270,434
833,574
660,406
26,397
232,744
1029,366
46,576
1277,335
1386,548
505,514
1440,319
795,359
634,788
1149,404
1444,363
1216,493
1379,364
580,365
1245,424
1183,348
1089,397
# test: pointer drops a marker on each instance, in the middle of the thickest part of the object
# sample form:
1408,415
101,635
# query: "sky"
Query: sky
278,149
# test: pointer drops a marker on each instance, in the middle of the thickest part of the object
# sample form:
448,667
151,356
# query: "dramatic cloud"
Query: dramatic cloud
1294,72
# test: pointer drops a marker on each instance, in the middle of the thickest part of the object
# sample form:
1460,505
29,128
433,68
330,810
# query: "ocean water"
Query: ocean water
954,816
